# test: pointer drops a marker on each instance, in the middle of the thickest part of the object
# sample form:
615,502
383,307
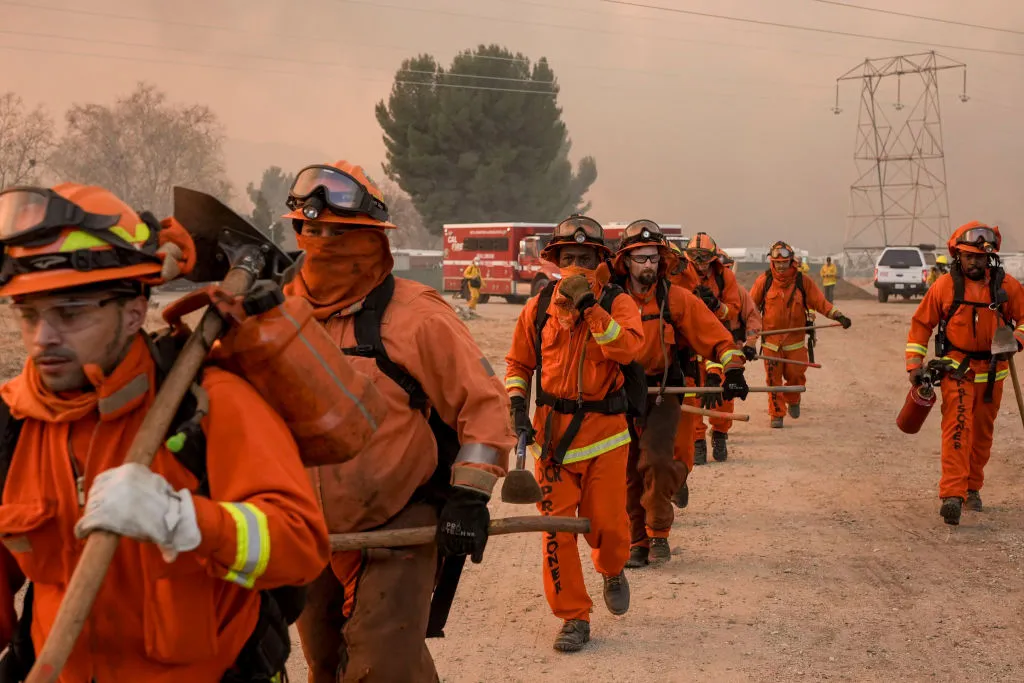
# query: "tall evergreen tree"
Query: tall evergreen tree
481,141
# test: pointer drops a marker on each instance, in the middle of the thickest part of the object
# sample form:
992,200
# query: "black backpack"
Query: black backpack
268,647
812,336
631,399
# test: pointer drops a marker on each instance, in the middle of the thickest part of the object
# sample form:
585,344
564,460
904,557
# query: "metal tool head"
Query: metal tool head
521,488
218,232
1003,342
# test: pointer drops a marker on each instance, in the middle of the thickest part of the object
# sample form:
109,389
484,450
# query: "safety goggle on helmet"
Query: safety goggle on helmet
781,251
576,229
642,232
33,216
322,187
978,238
701,249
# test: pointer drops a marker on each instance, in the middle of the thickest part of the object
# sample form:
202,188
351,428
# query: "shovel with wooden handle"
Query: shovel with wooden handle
227,249
400,538
788,361
1005,344
768,333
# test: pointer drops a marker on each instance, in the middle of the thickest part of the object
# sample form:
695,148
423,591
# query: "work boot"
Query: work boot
682,497
660,552
638,557
777,423
951,509
700,452
973,500
574,635
719,447
616,594
794,411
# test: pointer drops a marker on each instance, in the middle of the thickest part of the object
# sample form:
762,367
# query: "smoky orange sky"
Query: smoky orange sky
718,125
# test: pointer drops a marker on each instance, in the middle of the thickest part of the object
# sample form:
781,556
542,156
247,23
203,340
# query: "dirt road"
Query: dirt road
814,553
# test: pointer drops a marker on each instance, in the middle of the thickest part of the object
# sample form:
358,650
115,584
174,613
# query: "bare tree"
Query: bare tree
411,233
141,147
26,140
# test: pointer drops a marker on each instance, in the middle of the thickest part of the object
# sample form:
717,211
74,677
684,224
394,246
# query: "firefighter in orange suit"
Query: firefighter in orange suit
708,278
675,321
182,598
786,297
965,307
433,460
576,335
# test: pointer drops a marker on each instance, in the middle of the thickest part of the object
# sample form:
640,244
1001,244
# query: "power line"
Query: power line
796,27
919,16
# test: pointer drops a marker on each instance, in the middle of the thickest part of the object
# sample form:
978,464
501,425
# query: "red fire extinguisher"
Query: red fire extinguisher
921,398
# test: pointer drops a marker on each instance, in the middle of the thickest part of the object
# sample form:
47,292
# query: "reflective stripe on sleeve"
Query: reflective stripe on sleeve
610,334
516,383
253,539
918,349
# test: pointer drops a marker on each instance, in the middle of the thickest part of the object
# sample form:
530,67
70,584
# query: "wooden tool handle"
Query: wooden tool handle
791,330
100,546
399,538
718,390
735,417
1016,388
788,361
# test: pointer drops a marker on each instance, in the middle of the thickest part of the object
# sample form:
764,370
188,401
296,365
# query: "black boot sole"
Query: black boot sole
950,513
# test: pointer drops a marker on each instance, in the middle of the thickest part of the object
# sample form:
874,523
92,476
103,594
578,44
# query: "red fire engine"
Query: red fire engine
510,256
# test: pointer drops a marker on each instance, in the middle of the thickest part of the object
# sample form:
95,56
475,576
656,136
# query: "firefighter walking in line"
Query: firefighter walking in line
473,278
576,335
716,285
829,279
674,322
181,599
785,297
965,307
434,459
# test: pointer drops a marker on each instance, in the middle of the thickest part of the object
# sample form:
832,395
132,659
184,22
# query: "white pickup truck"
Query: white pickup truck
903,271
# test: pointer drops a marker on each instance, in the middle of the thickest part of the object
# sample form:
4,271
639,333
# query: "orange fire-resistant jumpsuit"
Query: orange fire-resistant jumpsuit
591,480
729,314
657,475
784,308
153,621
967,420
384,634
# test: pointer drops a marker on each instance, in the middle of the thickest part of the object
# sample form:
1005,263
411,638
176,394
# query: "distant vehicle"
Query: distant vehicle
903,271
510,256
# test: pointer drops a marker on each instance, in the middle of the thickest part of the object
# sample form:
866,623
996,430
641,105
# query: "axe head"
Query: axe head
1003,342
521,488
218,232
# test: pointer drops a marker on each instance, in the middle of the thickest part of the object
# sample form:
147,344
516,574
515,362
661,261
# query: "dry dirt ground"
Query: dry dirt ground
815,553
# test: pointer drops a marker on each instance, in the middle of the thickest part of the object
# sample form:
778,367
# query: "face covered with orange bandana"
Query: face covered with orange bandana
782,262
341,219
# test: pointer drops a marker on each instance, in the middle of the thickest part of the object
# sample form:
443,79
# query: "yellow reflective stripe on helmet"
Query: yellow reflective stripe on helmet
610,334
983,377
918,349
587,452
252,535
80,239
793,347
516,383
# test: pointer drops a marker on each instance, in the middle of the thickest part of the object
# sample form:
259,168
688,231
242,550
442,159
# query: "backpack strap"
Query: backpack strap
768,280
370,345
10,430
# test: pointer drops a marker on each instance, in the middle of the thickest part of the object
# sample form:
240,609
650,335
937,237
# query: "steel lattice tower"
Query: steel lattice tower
900,196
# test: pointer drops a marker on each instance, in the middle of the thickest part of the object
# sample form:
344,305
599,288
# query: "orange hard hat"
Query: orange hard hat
701,249
337,193
975,237
643,233
579,230
70,236
782,251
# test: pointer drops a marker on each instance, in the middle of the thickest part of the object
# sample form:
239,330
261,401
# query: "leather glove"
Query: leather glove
521,418
131,500
915,376
712,401
462,527
709,298
750,353
844,321
735,385
577,289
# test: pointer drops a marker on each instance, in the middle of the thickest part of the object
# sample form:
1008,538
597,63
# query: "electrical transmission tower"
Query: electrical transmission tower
899,197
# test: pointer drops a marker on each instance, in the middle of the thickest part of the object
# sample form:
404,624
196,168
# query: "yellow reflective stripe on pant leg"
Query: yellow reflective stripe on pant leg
610,334
918,349
252,535
983,377
793,347
596,449
770,347
516,383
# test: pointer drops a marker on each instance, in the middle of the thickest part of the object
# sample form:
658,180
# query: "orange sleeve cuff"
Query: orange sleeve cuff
217,529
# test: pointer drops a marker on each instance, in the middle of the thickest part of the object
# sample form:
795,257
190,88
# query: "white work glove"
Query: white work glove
133,501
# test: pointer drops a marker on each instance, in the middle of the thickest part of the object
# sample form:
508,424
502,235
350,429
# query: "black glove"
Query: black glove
708,297
712,401
735,385
915,376
462,527
750,352
521,418
844,321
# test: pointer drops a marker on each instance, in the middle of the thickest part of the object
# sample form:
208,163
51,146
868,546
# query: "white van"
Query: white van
903,271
